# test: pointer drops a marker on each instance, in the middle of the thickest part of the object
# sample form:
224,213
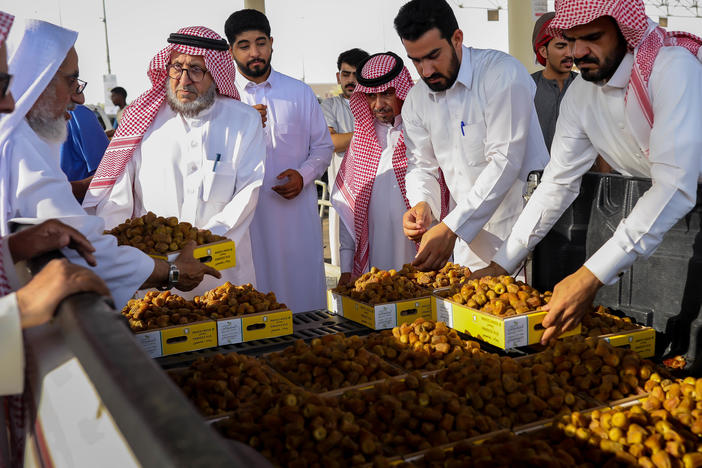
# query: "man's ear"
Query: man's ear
457,39
338,80
543,51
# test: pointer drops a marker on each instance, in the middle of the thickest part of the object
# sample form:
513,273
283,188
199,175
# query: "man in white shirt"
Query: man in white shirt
369,192
631,71
337,113
473,117
45,85
201,155
286,232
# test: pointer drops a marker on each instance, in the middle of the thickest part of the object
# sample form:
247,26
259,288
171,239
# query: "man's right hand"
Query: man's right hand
493,269
59,279
192,270
416,221
262,109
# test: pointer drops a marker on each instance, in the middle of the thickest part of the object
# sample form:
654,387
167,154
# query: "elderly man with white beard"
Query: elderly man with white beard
187,148
32,186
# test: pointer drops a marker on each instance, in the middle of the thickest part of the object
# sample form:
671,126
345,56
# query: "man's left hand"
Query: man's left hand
292,187
572,299
435,249
47,236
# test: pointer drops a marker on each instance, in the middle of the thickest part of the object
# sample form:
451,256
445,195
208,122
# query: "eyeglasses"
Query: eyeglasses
5,79
196,74
81,86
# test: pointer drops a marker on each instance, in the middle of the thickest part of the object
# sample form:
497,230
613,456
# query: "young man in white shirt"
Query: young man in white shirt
472,116
631,72
286,233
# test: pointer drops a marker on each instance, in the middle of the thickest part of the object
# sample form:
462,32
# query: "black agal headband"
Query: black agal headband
196,41
381,80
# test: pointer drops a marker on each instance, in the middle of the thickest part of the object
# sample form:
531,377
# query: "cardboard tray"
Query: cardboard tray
380,316
210,333
219,255
505,333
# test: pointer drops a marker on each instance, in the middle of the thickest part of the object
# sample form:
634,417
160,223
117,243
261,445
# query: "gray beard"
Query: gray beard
193,108
49,128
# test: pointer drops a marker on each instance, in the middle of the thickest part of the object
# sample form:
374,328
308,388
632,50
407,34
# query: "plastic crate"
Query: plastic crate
663,291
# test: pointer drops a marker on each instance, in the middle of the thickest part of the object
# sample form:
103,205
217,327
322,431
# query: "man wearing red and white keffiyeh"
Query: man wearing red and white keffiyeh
369,192
638,105
187,148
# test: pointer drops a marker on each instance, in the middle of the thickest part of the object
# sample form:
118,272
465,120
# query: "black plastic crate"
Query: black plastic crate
663,291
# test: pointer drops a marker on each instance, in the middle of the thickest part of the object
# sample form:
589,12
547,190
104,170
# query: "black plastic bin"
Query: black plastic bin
663,291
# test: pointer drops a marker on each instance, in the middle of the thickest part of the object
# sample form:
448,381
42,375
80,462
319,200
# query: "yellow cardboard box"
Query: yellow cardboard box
179,338
505,333
256,326
380,316
643,340
219,255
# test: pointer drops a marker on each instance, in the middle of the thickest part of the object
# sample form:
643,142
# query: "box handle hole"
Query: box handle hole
256,326
176,339
407,312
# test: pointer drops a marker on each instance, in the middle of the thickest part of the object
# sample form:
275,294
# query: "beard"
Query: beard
606,68
246,68
192,108
449,80
50,128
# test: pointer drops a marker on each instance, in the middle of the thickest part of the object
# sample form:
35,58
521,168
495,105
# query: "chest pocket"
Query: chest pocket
218,187
473,141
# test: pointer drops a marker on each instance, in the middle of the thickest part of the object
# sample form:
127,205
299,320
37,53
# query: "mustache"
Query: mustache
587,59
251,62
436,75
382,110
189,88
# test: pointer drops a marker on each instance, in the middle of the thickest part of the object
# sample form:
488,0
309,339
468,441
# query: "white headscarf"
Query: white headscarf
41,52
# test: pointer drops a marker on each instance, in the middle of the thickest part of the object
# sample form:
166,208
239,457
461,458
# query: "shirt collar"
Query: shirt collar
396,123
465,74
202,116
620,79
242,82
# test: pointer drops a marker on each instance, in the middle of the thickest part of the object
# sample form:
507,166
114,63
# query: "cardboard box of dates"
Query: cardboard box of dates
166,323
498,310
381,299
164,238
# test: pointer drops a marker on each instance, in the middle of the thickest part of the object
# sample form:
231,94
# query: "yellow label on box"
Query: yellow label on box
219,255
267,325
410,310
642,341
189,337
508,332
380,316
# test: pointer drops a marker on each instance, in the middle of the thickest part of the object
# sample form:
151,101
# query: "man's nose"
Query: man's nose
579,50
7,104
428,69
78,98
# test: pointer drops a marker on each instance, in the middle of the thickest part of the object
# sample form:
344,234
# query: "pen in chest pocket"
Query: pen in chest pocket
463,124
214,167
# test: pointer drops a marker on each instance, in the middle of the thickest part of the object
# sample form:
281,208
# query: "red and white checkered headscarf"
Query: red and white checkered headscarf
644,37
139,115
6,20
354,182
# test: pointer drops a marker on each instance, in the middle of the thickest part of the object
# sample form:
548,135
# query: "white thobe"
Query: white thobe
11,348
387,245
38,190
286,235
483,133
175,172
592,121
337,113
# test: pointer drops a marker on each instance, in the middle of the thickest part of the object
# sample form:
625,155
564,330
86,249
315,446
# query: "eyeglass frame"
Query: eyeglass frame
7,79
81,86
173,66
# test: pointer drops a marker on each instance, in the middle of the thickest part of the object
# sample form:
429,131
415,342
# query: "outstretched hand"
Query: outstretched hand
47,236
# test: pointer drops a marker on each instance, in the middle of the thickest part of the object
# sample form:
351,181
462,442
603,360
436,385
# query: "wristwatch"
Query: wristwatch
173,277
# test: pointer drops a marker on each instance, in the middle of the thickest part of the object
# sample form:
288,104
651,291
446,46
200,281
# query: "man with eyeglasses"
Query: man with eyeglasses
187,148
33,187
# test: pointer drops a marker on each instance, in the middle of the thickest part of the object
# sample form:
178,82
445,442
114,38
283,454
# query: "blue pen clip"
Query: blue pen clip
219,156
463,124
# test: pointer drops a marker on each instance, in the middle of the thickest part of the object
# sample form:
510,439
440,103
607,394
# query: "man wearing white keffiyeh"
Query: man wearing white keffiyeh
637,103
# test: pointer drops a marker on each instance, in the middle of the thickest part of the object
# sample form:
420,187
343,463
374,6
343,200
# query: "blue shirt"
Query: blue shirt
86,143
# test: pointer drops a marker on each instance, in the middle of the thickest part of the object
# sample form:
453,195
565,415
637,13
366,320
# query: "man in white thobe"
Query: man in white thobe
339,118
473,117
200,159
34,189
286,232
630,72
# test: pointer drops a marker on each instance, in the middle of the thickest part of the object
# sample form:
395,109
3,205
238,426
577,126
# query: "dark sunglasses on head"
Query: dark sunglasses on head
5,79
